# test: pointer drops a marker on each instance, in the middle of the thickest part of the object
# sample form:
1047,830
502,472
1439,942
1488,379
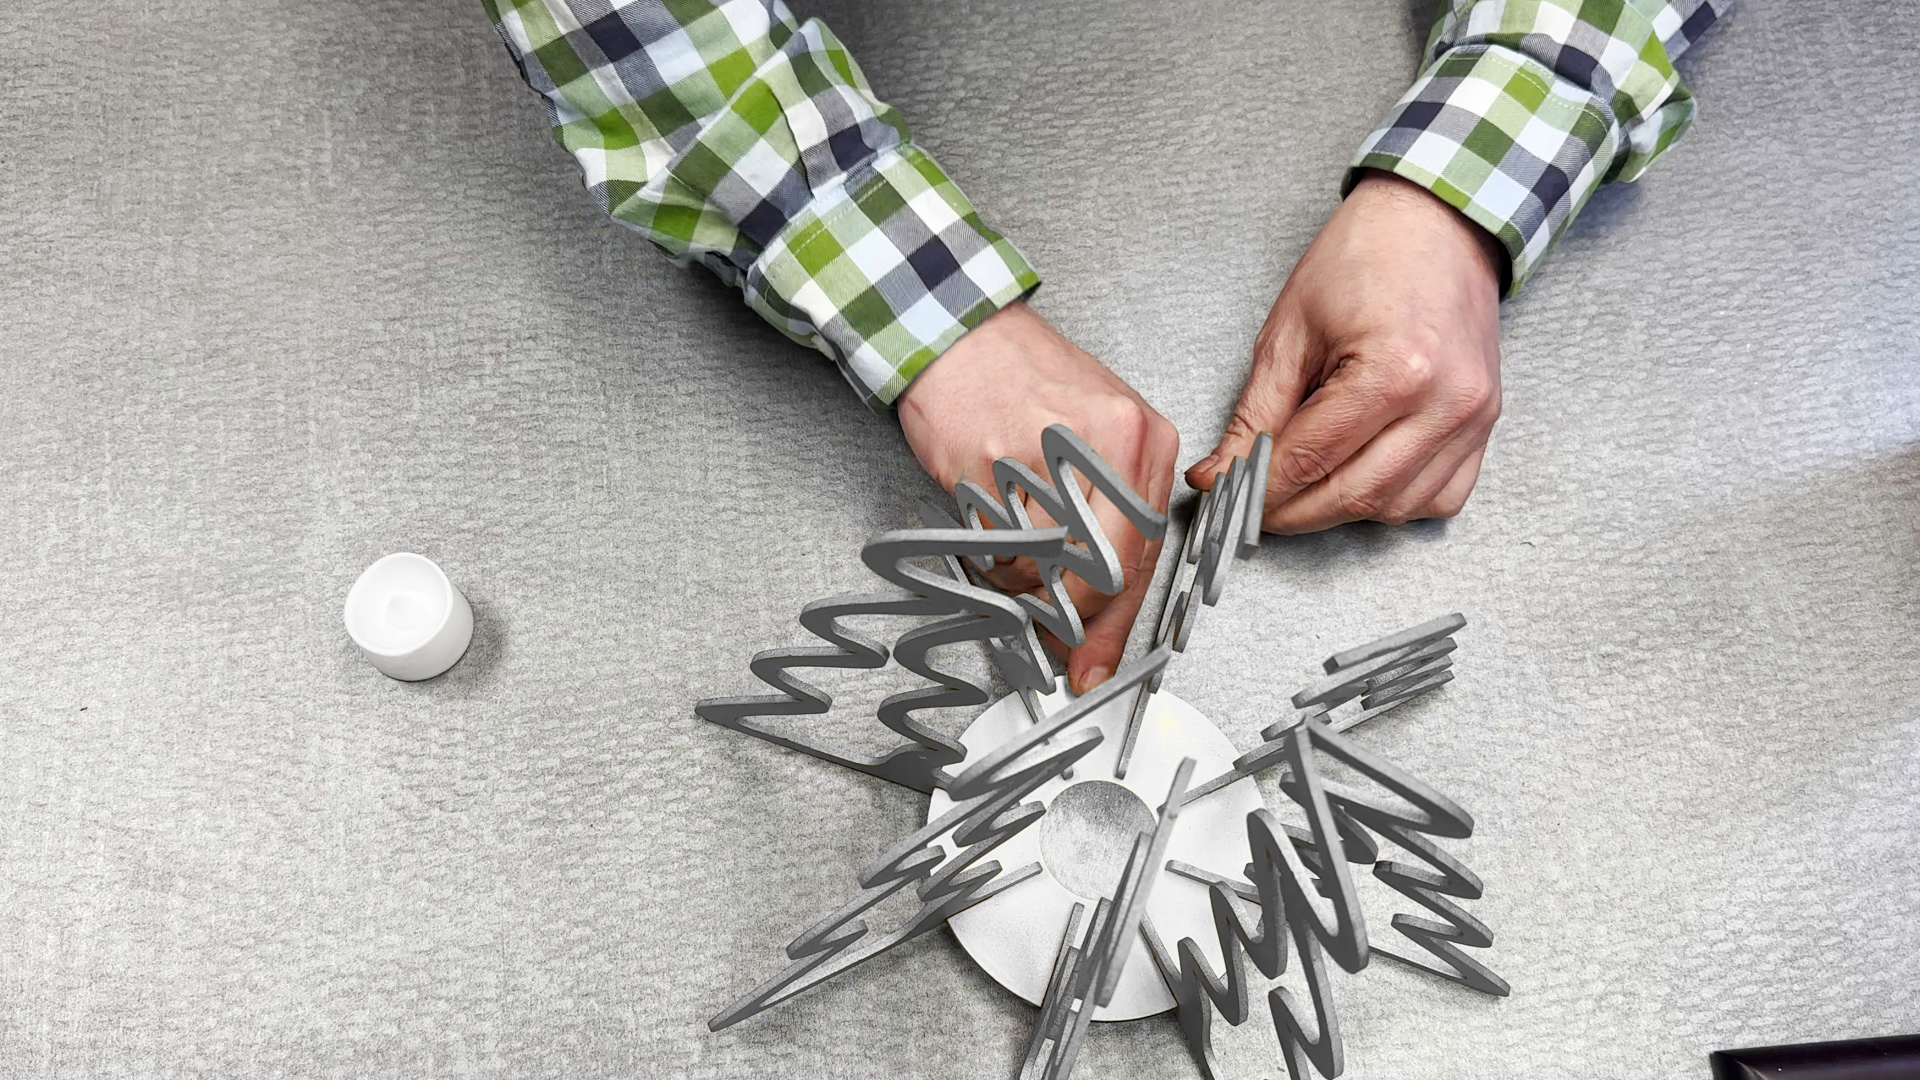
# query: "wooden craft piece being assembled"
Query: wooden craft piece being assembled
1065,833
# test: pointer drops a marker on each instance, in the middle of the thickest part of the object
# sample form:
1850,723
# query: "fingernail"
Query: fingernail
1094,677
1207,462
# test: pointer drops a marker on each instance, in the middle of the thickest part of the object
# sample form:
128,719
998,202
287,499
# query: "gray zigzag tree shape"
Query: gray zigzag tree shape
1290,873
973,613
961,611
1090,555
1287,893
1360,817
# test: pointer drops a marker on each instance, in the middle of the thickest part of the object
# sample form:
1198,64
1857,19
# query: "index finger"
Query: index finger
1129,548
1353,405
1108,628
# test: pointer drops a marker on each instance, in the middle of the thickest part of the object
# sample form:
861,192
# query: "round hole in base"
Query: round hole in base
1016,934
1088,833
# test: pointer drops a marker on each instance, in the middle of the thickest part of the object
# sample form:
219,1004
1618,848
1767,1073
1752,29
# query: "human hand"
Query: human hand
990,396
1378,369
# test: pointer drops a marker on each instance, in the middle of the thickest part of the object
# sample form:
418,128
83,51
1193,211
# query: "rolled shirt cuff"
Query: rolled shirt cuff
885,272
1504,140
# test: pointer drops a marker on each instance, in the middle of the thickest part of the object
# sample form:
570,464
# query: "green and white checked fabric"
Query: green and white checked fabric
734,136
1526,106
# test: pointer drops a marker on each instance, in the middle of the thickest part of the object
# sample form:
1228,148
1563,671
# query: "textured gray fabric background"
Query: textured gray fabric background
290,286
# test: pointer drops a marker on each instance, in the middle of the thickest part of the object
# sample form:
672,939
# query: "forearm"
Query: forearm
740,139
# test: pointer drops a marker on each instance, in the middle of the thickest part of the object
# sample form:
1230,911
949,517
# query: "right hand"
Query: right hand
1378,370
990,396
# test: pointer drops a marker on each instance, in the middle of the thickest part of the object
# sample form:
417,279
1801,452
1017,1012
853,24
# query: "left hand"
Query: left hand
990,396
1378,370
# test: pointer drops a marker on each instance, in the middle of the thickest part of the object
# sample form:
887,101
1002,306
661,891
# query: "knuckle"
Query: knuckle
1268,343
1449,504
1359,503
1490,408
1241,424
1162,436
1112,423
1129,422
1302,463
1407,376
1137,439
1477,399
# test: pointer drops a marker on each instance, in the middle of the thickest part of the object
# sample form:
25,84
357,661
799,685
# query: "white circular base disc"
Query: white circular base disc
1015,936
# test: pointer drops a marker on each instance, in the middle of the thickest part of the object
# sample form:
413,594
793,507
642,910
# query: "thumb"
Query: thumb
1236,442
1095,662
1274,389
1268,400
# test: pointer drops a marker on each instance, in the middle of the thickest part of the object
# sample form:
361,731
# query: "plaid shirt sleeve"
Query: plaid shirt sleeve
1526,106
733,136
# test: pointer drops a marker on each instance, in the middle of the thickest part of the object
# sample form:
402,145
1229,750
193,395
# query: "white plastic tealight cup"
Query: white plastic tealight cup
408,618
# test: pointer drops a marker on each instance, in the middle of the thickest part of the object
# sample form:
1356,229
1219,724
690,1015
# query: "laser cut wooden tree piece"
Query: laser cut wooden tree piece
972,612
1084,978
1298,888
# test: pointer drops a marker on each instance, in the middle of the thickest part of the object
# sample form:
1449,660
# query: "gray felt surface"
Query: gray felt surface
290,286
